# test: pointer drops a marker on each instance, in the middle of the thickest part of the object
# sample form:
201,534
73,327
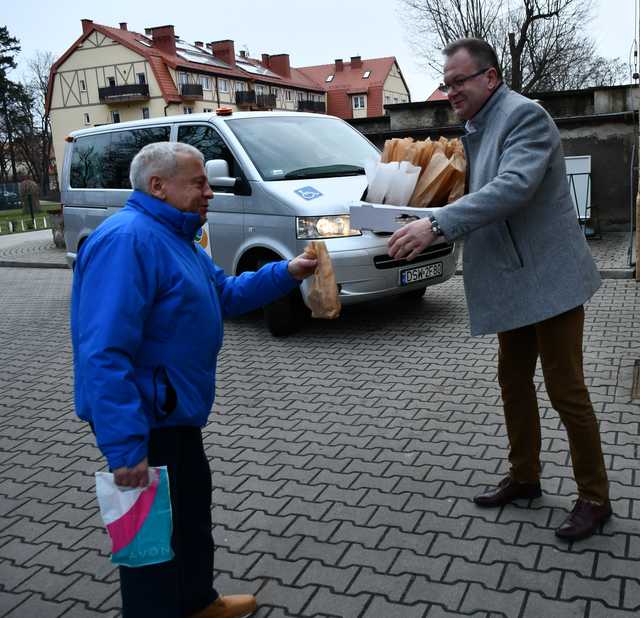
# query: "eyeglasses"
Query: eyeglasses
456,84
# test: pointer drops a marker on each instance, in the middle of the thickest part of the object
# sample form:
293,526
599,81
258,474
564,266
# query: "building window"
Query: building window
206,85
145,112
223,85
289,97
115,117
395,99
87,120
259,89
112,81
187,110
241,86
183,78
329,78
366,75
83,86
359,101
208,110
142,78
387,98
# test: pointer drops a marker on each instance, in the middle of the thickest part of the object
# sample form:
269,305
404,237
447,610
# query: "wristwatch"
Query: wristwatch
435,228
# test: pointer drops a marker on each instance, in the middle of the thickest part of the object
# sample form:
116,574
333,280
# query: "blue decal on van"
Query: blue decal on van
308,193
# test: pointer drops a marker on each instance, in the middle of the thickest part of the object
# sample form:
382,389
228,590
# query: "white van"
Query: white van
279,180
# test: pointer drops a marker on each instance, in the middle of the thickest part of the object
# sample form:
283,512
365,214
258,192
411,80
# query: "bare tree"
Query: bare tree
541,44
38,78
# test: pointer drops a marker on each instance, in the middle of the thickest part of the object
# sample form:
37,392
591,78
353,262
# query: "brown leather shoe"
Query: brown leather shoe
507,491
231,606
584,520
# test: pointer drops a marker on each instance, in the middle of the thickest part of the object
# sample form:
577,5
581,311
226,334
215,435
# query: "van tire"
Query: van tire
414,295
286,315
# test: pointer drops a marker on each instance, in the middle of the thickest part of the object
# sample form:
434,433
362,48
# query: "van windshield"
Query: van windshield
288,147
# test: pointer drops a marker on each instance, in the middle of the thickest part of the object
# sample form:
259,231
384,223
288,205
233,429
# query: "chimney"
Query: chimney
243,53
199,44
164,39
265,60
225,50
123,25
356,62
87,25
280,65
339,64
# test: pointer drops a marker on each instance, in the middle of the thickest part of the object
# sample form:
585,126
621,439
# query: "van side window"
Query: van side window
102,161
208,141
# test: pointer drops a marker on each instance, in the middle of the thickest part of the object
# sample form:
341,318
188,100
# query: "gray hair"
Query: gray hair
158,159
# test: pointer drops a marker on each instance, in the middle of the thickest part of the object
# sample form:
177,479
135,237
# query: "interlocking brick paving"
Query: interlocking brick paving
344,460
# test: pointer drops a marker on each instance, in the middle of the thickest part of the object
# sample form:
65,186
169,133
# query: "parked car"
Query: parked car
280,179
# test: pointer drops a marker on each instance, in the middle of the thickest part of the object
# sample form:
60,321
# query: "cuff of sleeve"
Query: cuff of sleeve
135,452
284,276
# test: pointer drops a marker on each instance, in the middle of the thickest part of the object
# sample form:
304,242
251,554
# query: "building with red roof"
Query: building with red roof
360,88
116,74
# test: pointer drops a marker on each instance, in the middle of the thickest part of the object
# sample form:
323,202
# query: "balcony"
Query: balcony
124,94
265,101
191,91
249,100
311,106
245,98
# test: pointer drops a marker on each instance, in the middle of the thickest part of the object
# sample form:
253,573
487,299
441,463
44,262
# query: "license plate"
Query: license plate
420,273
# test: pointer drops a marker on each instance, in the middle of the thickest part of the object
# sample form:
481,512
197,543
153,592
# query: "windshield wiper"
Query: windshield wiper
325,171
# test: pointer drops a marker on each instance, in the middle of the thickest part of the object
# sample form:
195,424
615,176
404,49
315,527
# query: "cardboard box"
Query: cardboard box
384,218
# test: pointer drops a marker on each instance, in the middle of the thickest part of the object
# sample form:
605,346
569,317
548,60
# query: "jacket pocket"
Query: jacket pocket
165,399
514,257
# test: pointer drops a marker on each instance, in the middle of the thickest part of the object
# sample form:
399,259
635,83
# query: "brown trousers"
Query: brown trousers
558,342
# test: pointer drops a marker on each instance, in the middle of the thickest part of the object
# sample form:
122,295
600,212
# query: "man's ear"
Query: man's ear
156,187
493,78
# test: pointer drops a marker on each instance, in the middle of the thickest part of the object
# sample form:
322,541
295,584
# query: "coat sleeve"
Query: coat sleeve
250,290
113,292
527,148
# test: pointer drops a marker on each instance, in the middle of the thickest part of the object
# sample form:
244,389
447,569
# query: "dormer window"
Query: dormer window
366,74
329,78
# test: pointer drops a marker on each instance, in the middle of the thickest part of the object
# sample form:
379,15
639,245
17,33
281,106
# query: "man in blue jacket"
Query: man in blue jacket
527,273
146,324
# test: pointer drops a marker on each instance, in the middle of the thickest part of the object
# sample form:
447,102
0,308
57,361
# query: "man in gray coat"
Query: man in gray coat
527,273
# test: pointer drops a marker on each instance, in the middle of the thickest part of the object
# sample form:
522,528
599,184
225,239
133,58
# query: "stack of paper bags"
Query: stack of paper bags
440,166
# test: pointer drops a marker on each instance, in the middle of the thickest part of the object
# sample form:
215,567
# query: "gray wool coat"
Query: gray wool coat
525,257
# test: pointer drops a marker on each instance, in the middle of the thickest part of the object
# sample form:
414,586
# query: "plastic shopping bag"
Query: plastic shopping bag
138,520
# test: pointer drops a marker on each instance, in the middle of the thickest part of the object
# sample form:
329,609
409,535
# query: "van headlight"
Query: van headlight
331,226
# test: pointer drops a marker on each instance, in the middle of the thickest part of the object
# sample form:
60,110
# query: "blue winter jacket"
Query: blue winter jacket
146,324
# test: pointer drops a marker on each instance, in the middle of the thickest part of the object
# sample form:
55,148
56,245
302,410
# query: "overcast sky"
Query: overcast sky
311,32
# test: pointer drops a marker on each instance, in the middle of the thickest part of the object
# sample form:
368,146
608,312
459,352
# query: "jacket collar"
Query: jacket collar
184,224
480,119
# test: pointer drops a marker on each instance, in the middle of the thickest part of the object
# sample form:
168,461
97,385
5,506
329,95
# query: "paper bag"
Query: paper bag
402,185
323,291
138,520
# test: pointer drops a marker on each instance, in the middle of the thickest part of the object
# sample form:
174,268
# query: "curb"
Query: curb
605,273
11,264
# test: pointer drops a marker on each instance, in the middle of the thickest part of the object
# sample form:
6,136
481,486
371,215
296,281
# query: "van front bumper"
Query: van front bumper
368,272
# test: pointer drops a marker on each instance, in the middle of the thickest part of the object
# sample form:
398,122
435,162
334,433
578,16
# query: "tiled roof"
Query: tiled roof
160,61
350,77
437,95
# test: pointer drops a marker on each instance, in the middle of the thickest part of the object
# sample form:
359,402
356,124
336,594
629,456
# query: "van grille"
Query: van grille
430,253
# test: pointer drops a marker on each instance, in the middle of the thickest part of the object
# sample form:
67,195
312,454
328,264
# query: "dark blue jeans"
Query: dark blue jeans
184,585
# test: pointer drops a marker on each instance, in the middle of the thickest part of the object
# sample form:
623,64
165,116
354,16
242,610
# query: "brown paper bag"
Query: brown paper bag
459,177
323,291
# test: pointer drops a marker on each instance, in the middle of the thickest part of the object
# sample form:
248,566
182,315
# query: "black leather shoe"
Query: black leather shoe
584,520
507,491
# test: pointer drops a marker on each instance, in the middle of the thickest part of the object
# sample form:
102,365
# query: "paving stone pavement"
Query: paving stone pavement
344,459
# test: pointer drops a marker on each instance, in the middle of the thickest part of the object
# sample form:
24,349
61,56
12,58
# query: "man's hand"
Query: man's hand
138,476
302,266
411,239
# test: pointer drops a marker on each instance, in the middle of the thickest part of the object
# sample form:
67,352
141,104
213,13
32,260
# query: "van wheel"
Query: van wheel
414,295
286,315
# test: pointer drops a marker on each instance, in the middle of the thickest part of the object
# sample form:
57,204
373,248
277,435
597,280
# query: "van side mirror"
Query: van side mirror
218,173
